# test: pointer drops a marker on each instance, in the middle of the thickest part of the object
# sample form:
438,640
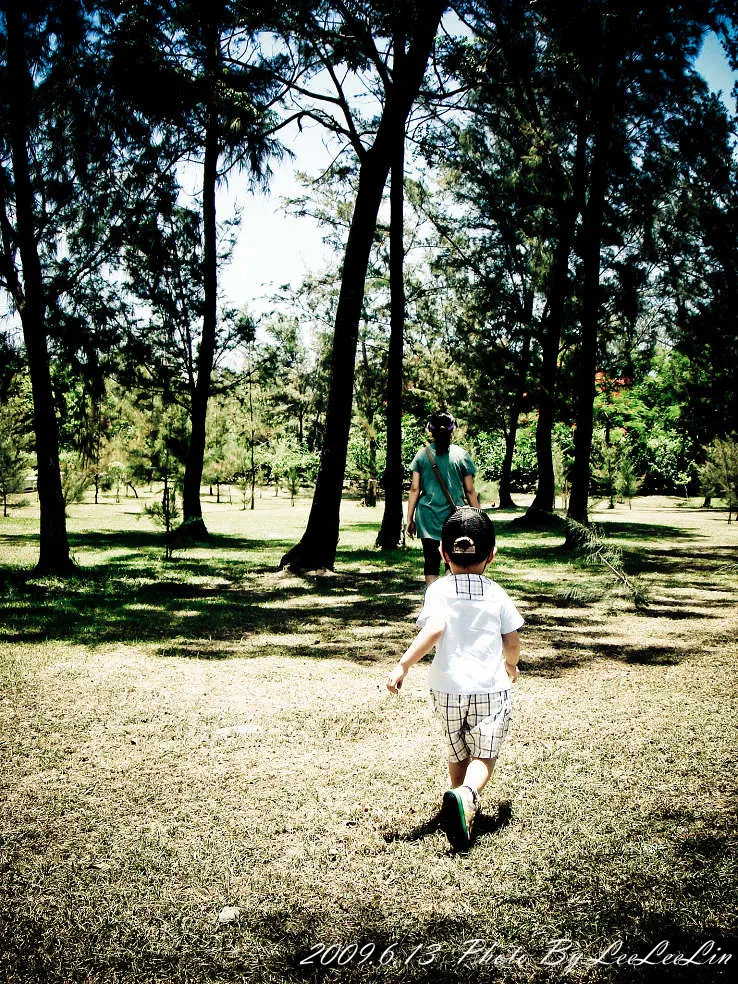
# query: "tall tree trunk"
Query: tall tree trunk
504,495
559,289
252,437
54,555
591,248
317,548
390,532
191,505
545,497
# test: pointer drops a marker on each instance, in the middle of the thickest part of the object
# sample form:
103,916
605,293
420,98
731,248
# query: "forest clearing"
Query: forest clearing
255,258
204,778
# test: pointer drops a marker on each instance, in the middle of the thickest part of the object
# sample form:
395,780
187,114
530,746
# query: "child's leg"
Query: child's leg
478,772
457,772
474,772
489,725
461,802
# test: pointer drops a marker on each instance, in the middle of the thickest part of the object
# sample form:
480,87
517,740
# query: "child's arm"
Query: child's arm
511,654
423,642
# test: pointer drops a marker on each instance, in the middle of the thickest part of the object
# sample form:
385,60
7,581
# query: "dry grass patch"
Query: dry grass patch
182,738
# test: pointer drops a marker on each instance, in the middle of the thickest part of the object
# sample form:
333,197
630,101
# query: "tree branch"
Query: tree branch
365,36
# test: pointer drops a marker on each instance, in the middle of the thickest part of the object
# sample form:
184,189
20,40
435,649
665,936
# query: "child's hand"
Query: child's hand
512,671
394,680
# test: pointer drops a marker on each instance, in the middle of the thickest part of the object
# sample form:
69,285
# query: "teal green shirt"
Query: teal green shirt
433,508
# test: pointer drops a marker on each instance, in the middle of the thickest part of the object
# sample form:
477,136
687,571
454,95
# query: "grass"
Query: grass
182,737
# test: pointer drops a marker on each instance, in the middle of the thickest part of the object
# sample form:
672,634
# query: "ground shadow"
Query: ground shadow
366,939
204,605
207,604
614,529
485,824
450,950
611,529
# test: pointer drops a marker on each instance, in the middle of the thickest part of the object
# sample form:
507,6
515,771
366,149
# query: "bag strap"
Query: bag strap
437,473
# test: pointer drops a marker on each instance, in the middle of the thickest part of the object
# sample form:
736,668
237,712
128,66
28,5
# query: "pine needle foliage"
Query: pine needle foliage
165,514
593,548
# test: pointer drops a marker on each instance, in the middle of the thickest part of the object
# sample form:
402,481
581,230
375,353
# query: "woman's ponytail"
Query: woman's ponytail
441,425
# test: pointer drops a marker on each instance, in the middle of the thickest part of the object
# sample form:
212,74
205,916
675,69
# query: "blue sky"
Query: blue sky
714,68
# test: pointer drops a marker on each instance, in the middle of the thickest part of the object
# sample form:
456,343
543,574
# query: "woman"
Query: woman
438,465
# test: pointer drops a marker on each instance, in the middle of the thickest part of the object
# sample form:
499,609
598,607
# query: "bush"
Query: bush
76,477
719,474
488,453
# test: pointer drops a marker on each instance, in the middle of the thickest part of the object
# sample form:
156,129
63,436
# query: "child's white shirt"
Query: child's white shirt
477,612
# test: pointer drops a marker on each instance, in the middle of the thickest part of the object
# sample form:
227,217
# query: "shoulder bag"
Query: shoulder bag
441,482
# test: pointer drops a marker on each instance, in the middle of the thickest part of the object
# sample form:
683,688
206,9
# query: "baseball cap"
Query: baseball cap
468,536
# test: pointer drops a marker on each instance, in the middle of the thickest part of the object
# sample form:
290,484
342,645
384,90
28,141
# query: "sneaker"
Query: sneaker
459,808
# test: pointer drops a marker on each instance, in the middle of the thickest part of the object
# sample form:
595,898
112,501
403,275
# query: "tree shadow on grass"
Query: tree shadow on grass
579,650
204,606
661,942
611,529
313,618
137,540
455,950
614,529
678,916
673,560
215,602
154,540
120,609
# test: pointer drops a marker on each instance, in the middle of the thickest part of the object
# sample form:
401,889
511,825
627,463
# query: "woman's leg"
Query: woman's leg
431,560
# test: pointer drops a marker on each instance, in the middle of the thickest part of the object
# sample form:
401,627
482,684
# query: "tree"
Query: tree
584,92
26,284
488,256
627,482
164,270
636,61
217,92
390,531
519,168
16,414
608,450
699,231
290,377
166,512
77,171
719,474
400,85
221,457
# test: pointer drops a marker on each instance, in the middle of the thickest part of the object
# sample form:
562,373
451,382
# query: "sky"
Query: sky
275,247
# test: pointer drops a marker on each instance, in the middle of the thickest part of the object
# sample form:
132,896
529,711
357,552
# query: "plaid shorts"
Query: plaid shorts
475,725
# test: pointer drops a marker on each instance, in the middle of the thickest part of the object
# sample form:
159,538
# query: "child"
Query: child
473,625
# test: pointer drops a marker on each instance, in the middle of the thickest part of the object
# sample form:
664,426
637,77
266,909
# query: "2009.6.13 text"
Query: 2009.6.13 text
342,954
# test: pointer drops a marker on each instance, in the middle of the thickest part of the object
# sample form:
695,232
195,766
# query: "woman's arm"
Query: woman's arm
470,492
412,501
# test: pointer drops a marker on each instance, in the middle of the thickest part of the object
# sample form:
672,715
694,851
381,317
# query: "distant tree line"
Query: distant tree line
564,275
